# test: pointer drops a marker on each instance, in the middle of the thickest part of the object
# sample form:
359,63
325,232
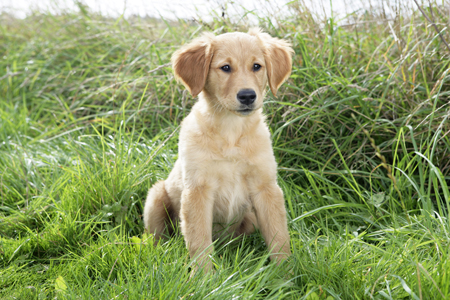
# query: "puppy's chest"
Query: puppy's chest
232,154
231,168
234,165
239,151
232,196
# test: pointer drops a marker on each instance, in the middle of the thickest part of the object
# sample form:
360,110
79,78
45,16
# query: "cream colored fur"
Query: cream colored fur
225,175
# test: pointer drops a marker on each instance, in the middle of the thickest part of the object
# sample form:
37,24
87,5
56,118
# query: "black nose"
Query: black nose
246,96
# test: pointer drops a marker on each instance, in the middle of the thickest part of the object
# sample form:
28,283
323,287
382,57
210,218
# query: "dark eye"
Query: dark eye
226,68
256,67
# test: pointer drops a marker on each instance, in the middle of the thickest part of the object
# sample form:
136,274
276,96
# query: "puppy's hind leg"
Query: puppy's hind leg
157,210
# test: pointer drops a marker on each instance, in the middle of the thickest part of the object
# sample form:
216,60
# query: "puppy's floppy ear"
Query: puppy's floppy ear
278,57
191,63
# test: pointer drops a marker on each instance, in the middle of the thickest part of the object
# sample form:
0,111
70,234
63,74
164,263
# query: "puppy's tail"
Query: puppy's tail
157,210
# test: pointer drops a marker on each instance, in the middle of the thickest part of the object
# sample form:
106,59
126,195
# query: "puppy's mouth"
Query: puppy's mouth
245,111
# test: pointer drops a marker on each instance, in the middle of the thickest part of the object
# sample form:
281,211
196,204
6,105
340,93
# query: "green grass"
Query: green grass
89,116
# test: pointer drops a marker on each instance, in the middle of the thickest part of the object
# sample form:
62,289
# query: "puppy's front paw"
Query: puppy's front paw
204,268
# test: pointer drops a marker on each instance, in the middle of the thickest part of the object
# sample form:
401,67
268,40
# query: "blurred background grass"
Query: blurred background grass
89,116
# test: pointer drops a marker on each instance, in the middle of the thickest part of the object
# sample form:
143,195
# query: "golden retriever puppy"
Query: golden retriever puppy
226,174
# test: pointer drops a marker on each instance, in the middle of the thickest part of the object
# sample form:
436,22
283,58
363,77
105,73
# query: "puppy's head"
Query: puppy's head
233,69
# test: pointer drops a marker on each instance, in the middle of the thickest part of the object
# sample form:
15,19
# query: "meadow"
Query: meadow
89,120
